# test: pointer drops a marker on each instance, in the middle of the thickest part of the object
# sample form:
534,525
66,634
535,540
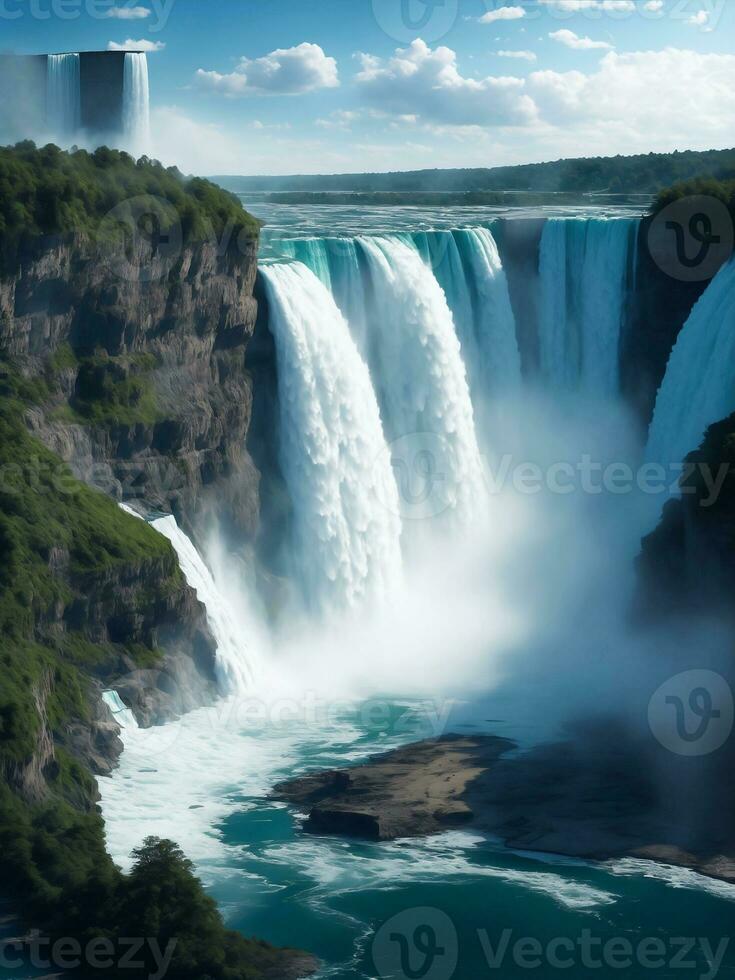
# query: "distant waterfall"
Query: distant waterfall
583,269
333,452
699,385
136,104
419,371
63,97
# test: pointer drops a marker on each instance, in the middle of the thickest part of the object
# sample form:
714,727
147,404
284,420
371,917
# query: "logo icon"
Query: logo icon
418,461
691,238
418,944
141,238
692,713
405,20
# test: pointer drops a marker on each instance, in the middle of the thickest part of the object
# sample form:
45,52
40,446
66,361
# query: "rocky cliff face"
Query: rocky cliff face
688,562
150,398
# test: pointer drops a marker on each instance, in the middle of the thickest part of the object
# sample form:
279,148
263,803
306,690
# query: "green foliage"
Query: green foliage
115,390
722,190
47,191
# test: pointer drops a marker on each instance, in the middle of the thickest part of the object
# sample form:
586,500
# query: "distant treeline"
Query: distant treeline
394,199
645,173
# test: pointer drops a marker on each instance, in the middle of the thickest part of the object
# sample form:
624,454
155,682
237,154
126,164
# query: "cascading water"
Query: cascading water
122,715
63,96
333,452
584,266
495,329
421,378
699,385
234,669
136,103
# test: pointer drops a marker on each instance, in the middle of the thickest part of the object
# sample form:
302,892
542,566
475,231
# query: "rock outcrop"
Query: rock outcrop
149,397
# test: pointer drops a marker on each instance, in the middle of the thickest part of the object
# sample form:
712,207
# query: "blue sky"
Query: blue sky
313,86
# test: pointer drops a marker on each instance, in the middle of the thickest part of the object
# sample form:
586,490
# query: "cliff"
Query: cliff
147,393
688,562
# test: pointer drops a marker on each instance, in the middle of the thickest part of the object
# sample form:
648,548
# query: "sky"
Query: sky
333,86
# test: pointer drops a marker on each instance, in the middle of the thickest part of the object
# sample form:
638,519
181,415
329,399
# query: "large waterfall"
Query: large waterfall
136,103
584,269
421,379
699,385
63,97
333,453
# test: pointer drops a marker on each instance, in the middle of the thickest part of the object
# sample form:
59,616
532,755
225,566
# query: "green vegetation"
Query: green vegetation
723,190
642,174
115,390
58,541
50,192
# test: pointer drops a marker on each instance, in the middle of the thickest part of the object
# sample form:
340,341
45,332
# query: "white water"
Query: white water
234,663
422,383
332,449
122,715
495,328
136,104
584,267
63,97
699,385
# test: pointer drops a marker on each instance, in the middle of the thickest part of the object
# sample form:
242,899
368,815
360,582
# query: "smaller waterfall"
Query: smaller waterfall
63,96
234,672
584,266
136,104
333,453
699,385
122,715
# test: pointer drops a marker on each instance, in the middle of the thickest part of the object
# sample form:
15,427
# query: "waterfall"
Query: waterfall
422,380
333,453
699,385
136,103
584,266
122,715
63,96
495,327
233,667
234,671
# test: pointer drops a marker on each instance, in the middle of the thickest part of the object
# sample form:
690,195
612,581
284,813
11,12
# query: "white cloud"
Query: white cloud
578,6
341,119
700,19
285,71
503,13
521,55
424,82
572,40
654,6
132,45
624,107
128,13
